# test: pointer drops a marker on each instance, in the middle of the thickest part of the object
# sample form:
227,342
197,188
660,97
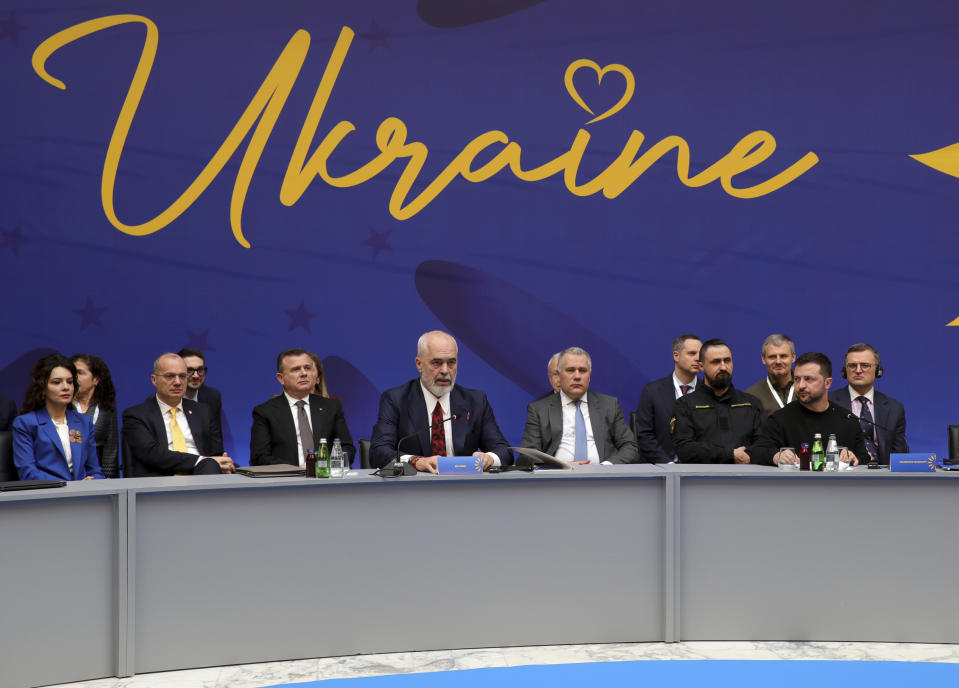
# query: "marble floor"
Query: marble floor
257,675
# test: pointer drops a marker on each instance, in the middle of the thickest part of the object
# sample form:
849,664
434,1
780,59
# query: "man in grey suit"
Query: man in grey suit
578,425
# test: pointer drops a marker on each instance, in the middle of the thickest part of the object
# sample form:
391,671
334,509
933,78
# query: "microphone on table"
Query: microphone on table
396,468
872,459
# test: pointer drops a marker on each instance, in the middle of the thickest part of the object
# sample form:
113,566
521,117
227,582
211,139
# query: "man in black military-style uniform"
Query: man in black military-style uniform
716,423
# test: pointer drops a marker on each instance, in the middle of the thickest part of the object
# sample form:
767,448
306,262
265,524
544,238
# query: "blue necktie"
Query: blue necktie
867,427
579,447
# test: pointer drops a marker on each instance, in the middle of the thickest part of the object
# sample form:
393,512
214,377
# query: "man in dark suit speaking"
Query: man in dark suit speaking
169,435
882,418
289,425
444,419
579,425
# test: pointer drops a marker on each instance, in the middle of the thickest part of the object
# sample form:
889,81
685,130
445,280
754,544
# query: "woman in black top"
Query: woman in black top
96,397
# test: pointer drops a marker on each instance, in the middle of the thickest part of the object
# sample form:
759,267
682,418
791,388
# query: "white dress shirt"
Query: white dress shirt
677,385
296,423
184,427
63,429
567,444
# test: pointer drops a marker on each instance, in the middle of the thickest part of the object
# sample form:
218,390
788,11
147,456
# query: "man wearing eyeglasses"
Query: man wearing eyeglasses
443,419
882,418
170,435
198,390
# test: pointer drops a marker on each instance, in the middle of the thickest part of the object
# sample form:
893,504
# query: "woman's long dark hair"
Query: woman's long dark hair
104,394
36,397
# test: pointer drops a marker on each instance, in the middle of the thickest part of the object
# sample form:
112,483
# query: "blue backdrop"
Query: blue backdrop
843,236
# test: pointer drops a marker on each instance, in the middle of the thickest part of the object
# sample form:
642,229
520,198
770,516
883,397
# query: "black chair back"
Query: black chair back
953,443
127,469
8,470
365,454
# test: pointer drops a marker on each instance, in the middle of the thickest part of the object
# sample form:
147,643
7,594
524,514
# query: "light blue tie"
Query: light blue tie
579,447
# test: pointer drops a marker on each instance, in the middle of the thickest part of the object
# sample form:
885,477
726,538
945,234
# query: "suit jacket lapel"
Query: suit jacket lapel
316,411
77,448
459,408
596,422
881,404
416,421
193,420
555,422
50,431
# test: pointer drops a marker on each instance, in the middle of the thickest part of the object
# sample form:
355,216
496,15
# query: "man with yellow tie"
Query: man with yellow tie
170,435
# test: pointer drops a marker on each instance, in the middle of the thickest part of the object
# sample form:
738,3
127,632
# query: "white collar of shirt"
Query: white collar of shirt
870,395
292,401
677,385
192,397
165,408
566,400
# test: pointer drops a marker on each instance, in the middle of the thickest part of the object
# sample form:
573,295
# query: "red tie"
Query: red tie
438,435
684,389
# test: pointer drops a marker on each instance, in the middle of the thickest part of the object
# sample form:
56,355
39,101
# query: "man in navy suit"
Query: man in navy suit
886,433
443,419
656,403
170,435
198,390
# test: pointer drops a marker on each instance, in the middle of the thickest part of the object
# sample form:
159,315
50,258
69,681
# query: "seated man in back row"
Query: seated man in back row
810,413
716,423
430,416
170,435
579,425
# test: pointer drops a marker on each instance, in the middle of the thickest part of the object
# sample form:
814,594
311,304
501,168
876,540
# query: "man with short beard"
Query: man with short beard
716,423
444,419
809,414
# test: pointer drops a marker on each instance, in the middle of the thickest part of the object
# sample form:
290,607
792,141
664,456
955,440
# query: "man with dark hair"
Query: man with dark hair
431,416
776,390
716,423
197,389
288,426
809,414
882,418
170,435
577,424
656,403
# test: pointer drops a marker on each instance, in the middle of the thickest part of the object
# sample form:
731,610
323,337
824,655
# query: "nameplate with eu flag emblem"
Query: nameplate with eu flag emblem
916,462
451,465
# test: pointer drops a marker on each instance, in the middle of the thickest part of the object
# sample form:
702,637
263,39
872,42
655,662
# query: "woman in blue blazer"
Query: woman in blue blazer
51,441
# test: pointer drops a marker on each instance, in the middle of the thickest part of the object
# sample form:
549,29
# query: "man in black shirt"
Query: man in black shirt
810,413
716,423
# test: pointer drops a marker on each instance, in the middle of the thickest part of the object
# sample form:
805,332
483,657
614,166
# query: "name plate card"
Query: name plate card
916,462
451,465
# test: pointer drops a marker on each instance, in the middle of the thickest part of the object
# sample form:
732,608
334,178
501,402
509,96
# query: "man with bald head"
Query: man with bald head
170,435
443,418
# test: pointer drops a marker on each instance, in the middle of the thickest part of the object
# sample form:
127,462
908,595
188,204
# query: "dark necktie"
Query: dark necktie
868,429
438,434
306,432
684,389
580,452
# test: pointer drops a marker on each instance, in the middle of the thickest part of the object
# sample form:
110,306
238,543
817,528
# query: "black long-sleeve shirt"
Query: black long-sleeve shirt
706,428
794,424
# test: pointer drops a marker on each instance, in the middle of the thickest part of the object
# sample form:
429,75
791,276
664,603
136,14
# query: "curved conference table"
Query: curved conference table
113,577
